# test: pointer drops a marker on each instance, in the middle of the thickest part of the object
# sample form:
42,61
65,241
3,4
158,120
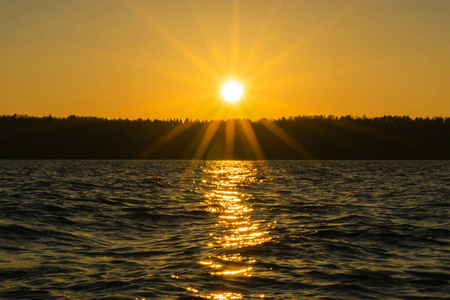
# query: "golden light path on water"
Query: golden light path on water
236,227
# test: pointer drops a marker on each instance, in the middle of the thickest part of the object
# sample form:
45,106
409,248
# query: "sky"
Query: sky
168,59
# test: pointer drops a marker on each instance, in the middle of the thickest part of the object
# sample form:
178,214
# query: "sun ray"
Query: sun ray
235,35
210,132
183,77
199,63
234,67
164,140
392,137
214,50
251,55
287,139
229,138
297,45
276,60
251,138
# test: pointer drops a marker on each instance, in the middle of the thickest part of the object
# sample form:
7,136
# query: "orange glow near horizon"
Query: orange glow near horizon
151,59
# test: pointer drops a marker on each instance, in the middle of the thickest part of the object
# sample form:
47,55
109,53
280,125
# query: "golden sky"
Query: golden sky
168,59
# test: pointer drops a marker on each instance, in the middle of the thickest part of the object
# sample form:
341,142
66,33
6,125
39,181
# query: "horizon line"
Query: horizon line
187,119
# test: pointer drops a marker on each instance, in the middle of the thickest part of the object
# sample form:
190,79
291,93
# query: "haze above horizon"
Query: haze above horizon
169,59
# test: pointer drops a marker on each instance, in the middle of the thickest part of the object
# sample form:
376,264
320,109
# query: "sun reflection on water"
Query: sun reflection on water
236,228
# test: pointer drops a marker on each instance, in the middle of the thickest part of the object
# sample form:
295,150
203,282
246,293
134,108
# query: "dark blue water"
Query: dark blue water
224,230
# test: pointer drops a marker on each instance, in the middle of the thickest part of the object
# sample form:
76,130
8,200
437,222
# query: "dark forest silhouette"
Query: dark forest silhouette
302,137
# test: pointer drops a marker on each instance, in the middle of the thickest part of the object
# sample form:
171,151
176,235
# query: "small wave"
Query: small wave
125,230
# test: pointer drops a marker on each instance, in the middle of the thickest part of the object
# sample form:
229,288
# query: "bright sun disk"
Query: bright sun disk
232,91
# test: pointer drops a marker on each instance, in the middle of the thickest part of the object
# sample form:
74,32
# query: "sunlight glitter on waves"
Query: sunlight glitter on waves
235,227
243,229
227,203
223,296
239,230
235,208
211,264
227,198
220,296
240,272
240,241
231,264
230,168
223,192
228,217
243,220
238,209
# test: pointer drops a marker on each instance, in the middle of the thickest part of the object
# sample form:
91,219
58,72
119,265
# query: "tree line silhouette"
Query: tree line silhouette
301,137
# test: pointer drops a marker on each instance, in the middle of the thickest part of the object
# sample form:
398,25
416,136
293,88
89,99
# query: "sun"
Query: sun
232,91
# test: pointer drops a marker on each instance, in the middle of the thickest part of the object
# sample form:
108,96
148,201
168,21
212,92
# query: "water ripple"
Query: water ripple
224,230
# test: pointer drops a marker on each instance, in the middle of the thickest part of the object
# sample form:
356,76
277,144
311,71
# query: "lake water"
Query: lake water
224,230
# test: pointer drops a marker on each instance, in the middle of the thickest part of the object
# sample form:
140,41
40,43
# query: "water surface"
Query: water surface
224,230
